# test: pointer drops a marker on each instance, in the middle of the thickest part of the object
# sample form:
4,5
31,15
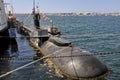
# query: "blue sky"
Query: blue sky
66,6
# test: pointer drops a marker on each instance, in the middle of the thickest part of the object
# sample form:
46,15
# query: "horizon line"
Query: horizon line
64,12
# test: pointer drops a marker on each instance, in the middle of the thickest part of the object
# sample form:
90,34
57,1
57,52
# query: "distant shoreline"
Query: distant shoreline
78,14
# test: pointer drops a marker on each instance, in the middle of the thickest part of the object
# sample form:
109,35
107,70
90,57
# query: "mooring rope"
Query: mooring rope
7,73
3,75
74,67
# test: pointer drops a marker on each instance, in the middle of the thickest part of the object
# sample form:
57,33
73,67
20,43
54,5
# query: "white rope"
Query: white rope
7,73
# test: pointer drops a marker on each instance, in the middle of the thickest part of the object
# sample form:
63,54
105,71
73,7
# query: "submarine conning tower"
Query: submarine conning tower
36,20
36,16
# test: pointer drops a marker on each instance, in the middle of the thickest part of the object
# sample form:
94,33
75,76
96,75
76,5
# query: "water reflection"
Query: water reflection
4,55
4,64
13,48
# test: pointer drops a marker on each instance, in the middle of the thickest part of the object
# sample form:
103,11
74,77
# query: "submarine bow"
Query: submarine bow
74,62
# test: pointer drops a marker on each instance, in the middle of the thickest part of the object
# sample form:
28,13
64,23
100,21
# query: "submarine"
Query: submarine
71,61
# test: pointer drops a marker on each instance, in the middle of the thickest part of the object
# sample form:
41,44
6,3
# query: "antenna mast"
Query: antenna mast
36,16
33,6
12,9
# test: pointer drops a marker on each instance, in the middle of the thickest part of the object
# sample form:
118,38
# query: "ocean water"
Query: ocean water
92,33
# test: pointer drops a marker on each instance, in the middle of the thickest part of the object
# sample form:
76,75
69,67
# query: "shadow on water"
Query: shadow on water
13,48
38,71
12,51
4,64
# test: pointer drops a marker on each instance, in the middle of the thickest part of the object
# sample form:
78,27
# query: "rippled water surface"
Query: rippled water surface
93,33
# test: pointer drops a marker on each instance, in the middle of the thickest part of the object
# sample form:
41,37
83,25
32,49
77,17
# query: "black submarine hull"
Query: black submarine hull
73,62
74,67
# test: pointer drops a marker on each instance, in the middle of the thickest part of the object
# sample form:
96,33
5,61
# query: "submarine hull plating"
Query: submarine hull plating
70,64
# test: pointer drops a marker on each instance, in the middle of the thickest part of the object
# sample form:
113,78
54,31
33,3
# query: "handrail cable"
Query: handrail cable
7,73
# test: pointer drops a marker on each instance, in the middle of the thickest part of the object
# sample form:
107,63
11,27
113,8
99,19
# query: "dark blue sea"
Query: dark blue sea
93,33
